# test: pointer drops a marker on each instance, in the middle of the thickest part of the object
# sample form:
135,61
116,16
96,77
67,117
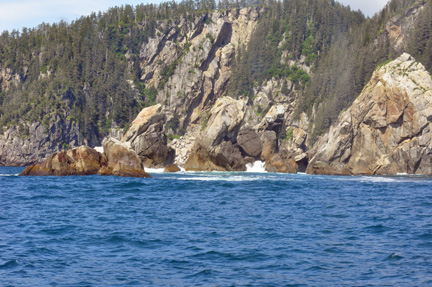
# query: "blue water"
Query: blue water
215,229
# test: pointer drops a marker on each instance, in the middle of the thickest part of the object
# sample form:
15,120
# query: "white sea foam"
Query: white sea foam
220,178
154,170
9,174
377,179
257,166
99,149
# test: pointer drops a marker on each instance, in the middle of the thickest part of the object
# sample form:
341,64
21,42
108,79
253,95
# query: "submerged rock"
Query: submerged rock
117,159
388,128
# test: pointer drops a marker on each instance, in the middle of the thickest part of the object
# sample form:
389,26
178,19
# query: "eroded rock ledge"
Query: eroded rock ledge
116,159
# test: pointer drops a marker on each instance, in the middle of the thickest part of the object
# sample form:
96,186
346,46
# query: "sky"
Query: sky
17,14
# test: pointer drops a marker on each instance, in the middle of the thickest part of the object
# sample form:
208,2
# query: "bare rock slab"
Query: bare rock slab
388,128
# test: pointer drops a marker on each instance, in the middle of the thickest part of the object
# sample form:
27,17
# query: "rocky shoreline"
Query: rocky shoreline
386,131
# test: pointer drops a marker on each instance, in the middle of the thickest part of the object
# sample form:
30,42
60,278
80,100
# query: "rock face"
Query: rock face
117,159
147,138
281,162
80,161
200,52
388,128
172,168
273,120
121,160
249,142
30,143
217,148
269,143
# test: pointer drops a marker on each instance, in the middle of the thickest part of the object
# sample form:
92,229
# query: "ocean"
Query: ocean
215,229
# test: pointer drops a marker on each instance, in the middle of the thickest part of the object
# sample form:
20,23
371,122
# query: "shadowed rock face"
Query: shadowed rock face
39,142
387,130
249,142
147,138
217,149
117,159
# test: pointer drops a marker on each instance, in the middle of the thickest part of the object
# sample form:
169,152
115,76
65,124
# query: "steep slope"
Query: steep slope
387,130
65,85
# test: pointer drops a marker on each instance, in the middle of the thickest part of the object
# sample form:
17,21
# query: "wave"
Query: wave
8,174
154,170
256,167
377,179
220,178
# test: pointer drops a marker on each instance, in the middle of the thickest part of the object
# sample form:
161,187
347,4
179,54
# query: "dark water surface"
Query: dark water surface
215,229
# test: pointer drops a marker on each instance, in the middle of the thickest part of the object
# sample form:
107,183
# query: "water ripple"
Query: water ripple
215,229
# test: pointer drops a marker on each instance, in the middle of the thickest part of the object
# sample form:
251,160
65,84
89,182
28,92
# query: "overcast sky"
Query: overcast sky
16,14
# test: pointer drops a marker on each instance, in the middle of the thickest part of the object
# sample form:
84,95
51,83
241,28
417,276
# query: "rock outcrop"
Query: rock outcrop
117,159
200,53
281,162
27,144
147,138
388,128
120,160
172,168
217,147
79,161
250,143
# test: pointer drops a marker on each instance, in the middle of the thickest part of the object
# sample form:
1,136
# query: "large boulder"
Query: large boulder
79,161
216,149
269,145
249,142
388,128
228,156
226,117
172,168
121,160
117,159
273,120
281,162
147,138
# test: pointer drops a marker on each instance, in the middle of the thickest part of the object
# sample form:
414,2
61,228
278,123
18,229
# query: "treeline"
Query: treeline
341,48
346,68
86,71
295,29
89,71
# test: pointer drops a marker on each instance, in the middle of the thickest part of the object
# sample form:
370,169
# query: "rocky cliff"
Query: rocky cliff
27,143
147,138
190,63
182,67
387,130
